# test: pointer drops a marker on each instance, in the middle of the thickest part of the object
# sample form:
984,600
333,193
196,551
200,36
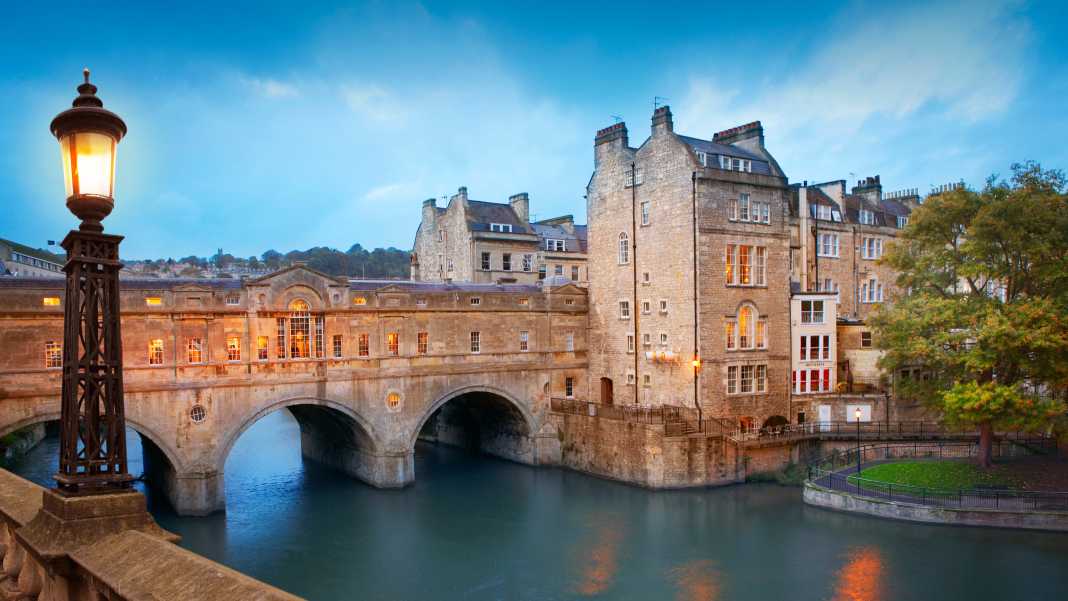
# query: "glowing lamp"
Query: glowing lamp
856,413
88,135
696,363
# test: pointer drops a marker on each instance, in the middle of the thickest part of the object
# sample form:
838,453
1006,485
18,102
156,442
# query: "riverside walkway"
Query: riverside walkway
839,473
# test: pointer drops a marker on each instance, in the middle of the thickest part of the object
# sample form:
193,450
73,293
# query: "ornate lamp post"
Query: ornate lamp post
92,446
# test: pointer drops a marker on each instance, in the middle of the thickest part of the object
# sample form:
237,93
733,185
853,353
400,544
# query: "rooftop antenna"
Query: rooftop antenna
617,118
658,100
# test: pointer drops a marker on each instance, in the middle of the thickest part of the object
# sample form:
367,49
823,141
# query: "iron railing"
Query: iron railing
838,471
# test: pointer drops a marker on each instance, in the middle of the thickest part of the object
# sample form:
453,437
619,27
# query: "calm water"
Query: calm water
475,528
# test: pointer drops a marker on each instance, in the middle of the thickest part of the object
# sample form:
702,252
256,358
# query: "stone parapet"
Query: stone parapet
58,548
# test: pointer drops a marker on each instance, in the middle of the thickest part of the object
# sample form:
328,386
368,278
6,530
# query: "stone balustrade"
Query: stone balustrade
56,548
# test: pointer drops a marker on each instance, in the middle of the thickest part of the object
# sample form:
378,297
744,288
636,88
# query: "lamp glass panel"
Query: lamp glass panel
88,164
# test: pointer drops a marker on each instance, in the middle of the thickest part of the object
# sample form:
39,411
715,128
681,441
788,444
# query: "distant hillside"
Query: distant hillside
385,263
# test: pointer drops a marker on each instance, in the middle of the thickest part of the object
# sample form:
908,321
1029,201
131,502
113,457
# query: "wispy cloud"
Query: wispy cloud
957,63
271,88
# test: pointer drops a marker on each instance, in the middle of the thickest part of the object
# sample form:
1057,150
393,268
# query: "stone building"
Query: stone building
689,260
20,260
487,242
837,241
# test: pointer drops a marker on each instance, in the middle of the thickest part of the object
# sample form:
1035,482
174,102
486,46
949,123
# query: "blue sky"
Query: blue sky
289,125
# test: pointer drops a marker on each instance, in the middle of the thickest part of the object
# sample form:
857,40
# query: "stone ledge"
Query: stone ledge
20,499
165,571
818,496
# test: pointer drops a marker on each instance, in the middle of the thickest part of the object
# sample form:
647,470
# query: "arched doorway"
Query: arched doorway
774,423
482,421
607,395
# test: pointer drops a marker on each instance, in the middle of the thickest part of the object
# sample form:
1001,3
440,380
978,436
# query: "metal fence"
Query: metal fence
838,471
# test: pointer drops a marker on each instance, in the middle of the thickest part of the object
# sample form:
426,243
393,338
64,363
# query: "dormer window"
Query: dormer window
735,164
902,221
867,217
702,157
554,245
501,227
826,213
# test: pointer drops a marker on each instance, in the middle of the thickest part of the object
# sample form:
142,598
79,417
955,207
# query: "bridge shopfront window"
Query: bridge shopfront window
261,348
194,351
299,330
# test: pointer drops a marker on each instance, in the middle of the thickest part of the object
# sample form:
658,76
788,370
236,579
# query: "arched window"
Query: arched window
624,248
745,327
299,330
746,330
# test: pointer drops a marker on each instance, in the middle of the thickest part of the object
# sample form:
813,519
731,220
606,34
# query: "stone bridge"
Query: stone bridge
389,363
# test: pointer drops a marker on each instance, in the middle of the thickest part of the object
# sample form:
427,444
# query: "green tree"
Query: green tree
985,313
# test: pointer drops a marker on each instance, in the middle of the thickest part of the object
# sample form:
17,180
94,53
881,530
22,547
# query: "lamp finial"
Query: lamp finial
85,72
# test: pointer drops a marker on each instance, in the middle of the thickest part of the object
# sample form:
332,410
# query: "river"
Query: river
475,528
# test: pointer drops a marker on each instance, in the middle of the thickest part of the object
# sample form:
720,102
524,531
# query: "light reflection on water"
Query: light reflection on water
474,529
696,580
861,578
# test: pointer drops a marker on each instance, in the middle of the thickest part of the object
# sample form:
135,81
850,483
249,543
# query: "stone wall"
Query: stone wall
842,501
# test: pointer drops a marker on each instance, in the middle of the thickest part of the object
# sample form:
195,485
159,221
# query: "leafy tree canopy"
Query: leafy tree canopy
985,312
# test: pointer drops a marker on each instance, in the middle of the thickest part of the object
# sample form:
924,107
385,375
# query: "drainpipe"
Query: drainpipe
635,310
696,347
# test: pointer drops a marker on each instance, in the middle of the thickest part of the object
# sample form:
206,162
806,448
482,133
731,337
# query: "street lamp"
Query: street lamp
92,445
856,413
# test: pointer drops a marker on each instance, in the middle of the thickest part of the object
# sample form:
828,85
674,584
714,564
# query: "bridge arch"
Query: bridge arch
503,425
151,435
362,432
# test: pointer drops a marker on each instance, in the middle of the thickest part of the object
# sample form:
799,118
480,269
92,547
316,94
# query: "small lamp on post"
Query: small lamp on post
92,446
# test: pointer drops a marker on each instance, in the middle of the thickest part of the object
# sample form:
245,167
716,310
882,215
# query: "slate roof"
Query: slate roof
38,253
573,243
128,283
412,286
481,214
760,164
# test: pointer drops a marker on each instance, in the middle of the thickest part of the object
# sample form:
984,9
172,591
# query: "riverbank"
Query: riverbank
17,444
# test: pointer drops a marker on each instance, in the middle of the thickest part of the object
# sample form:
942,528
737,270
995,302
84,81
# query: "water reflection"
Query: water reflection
696,580
861,579
600,560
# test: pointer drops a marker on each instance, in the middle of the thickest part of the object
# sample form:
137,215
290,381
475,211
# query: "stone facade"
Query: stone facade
195,377
642,272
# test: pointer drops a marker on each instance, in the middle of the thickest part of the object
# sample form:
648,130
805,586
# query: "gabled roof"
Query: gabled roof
295,267
481,214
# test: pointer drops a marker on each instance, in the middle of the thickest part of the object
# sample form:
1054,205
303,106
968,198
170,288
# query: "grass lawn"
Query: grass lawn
948,475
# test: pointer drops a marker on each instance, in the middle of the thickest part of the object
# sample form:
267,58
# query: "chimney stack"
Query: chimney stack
662,122
521,205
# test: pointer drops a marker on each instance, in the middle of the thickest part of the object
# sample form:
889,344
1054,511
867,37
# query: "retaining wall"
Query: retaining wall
842,501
